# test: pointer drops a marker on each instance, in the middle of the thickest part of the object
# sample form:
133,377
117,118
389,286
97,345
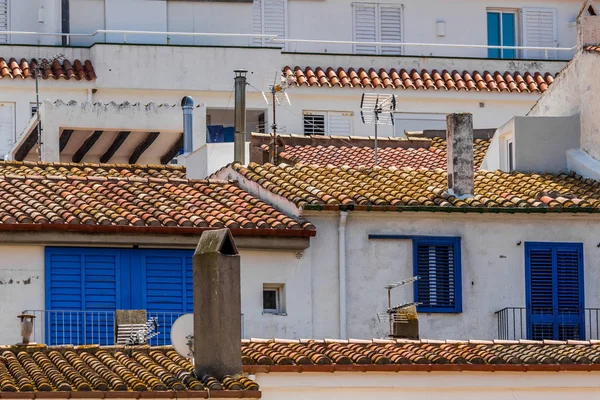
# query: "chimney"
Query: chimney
187,104
217,305
239,139
26,327
459,141
588,25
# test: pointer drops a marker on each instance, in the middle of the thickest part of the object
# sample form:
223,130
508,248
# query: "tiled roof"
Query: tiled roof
516,82
97,370
592,48
56,194
77,70
353,156
315,187
413,355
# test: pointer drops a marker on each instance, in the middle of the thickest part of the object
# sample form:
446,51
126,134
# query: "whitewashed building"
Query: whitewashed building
163,50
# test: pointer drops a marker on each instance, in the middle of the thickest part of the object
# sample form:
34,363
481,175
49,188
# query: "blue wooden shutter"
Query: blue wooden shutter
569,294
81,280
167,288
437,264
541,293
555,308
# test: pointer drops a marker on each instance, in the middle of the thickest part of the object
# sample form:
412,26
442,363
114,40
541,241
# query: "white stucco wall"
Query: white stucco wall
466,22
22,288
493,267
575,93
434,385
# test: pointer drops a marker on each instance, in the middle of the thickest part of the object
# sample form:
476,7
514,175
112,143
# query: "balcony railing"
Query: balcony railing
290,44
515,323
73,327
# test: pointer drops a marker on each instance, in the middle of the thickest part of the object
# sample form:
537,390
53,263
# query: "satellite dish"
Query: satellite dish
182,335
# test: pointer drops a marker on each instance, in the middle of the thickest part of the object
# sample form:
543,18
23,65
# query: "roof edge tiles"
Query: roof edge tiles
484,81
314,187
67,70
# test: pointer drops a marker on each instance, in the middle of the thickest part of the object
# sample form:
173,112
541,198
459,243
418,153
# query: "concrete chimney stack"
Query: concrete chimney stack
459,140
217,305
27,322
187,104
588,25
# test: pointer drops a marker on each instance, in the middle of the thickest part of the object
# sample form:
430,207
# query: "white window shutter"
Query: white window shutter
390,27
3,20
365,27
7,128
340,123
270,18
539,30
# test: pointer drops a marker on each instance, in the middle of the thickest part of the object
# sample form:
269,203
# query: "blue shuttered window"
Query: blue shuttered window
555,302
502,31
437,263
85,286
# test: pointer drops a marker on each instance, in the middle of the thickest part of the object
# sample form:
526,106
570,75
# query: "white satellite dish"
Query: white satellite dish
182,335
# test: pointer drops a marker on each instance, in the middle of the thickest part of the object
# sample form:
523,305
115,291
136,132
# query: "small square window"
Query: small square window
273,298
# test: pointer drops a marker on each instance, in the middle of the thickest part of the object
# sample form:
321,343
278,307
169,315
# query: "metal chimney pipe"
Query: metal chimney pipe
187,104
239,141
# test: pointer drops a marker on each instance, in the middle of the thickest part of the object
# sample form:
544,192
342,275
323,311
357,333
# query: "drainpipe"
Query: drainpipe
342,271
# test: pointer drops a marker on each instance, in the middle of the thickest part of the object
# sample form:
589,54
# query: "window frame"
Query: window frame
326,121
433,241
518,36
510,154
279,289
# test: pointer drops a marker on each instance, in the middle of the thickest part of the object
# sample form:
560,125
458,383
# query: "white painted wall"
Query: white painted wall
162,74
22,288
466,22
493,267
434,385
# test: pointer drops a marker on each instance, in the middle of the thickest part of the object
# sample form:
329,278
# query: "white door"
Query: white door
7,127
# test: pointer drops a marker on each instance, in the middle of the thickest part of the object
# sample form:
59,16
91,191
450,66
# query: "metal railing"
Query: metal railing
74,327
275,39
515,323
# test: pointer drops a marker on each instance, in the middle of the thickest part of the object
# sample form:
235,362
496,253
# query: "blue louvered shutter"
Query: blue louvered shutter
555,291
81,280
569,293
438,266
541,293
167,288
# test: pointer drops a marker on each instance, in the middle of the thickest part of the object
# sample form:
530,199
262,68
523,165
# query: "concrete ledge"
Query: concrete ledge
582,163
49,238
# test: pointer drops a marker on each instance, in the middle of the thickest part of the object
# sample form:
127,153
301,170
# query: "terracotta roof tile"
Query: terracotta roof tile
10,68
319,187
424,79
354,156
595,48
38,368
129,195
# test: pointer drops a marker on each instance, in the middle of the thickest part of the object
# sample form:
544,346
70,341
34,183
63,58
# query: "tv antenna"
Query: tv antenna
392,315
144,334
275,93
377,109
182,335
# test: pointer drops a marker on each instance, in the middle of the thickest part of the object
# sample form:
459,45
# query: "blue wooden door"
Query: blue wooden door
84,286
555,301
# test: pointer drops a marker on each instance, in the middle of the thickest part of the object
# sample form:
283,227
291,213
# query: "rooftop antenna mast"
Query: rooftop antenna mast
390,314
377,109
42,65
274,94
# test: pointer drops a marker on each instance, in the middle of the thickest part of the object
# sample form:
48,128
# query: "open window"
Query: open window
274,298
